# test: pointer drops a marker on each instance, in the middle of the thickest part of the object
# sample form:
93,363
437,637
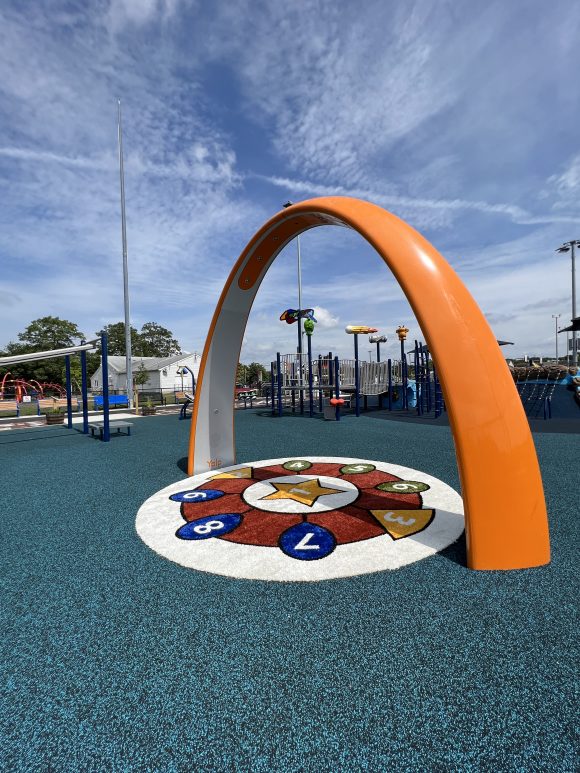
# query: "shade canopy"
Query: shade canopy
33,356
571,328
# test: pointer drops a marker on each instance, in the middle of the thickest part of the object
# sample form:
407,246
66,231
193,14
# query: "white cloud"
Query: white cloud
325,319
122,13
425,211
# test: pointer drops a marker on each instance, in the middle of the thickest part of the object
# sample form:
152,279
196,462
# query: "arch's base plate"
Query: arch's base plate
304,518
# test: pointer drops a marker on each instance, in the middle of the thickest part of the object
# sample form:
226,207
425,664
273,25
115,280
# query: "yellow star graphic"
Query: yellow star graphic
306,492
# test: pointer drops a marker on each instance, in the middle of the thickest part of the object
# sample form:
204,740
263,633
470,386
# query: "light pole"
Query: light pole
570,247
299,326
128,365
370,351
299,262
556,317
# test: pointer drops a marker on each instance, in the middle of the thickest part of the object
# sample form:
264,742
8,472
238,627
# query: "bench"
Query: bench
9,406
115,401
118,425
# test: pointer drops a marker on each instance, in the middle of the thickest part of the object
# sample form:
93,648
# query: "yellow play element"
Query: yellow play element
306,492
242,472
403,523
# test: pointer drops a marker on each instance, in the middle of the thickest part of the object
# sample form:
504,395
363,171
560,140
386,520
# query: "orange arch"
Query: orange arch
505,513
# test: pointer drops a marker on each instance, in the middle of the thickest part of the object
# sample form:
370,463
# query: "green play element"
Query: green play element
357,468
297,465
308,327
403,486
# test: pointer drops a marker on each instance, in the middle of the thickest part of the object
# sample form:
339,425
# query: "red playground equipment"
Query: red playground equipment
17,388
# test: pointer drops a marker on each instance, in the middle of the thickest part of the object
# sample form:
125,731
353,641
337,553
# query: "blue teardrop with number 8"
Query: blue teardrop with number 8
210,526
307,542
193,496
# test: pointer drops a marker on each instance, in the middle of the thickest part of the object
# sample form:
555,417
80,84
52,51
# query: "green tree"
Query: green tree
157,341
152,341
256,373
43,334
242,374
140,378
116,339
50,333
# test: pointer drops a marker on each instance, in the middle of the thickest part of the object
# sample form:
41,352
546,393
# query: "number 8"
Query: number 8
205,528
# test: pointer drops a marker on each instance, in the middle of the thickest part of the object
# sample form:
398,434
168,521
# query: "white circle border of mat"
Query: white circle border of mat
159,518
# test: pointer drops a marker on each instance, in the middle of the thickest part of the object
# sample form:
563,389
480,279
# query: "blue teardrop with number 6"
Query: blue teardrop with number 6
210,526
307,542
195,496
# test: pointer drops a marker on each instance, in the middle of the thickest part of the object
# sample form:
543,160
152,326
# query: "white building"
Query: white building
165,373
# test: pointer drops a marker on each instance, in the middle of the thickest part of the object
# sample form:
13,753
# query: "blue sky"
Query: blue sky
460,117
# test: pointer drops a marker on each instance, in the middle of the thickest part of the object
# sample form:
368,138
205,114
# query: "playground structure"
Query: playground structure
67,352
18,388
412,383
506,523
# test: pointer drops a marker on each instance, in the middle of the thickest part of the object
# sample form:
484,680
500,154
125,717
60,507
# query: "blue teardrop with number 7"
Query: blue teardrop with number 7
307,542
210,526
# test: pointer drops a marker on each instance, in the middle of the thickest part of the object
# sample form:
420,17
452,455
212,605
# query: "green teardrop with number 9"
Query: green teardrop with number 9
403,486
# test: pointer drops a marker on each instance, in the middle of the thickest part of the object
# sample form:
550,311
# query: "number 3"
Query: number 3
398,519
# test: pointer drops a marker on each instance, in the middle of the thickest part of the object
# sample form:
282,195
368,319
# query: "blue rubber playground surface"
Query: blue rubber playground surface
114,658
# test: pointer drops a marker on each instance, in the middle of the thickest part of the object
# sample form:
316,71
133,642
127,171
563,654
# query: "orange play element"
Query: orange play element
336,401
402,331
356,329
505,513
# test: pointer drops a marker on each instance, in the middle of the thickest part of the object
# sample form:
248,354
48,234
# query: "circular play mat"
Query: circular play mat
308,518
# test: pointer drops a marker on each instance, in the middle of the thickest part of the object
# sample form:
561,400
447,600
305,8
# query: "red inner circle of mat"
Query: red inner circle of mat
351,523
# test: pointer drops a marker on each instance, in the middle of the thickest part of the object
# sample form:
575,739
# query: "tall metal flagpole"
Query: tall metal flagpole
299,295
125,271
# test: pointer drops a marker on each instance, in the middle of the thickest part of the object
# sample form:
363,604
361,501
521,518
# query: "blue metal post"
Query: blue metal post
272,387
310,378
320,383
330,371
423,380
279,384
416,361
390,383
404,376
85,393
105,369
68,391
337,386
356,379
428,382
